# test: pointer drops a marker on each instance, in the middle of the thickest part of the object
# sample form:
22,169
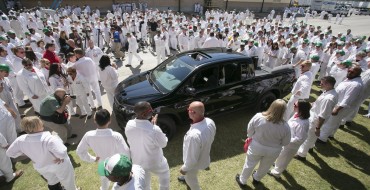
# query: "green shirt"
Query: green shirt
49,105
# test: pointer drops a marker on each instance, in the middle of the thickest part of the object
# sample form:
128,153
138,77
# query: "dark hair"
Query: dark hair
69,55
329,79
104,62
102,117
25,61
49,45
78,51
54,69
31,55
304,108
140,107
39,42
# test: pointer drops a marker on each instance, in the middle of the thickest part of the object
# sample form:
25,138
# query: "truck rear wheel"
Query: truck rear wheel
167,124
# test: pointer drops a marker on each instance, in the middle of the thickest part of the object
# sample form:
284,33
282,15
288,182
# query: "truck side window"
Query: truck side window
205,79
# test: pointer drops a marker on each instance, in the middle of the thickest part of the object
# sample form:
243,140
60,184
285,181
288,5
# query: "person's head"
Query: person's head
3,52
27,64
71,57
54,69
19,52
40,44
71,43
32,124
104,62
360,56
78,52
327,83
305,66
71,72
91,44
354,71
275,113
4,70
50,47
116,168
60,93
44,63
102,118
63,34
196,111
143,110
302,108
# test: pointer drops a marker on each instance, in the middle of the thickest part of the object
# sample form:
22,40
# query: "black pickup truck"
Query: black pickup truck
221,79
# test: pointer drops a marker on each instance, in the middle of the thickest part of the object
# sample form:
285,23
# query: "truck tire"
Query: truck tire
167,125
265,101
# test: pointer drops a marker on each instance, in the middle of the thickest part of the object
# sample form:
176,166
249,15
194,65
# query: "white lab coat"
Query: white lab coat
109,81
95,54
80,88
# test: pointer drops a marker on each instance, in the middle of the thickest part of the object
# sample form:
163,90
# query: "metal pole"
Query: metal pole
227,3
263,2
179,5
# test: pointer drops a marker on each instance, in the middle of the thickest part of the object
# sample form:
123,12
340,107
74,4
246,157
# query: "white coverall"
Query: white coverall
80,88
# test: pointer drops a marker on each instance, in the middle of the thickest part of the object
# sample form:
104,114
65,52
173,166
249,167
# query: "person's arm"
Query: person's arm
10,110
3,143
192,152
82,151
65,102
56,147
23,85
122,145
14,150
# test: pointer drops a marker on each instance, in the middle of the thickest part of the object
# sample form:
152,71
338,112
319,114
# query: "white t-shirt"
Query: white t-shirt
137,181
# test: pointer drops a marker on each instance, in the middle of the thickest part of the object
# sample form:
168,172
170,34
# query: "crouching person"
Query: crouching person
55,116
47,152
80,88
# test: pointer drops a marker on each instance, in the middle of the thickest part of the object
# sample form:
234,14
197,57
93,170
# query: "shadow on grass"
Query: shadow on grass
358,131
336,178
290,182
327,150
74,163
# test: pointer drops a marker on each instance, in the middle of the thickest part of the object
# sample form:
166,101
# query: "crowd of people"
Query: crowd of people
58,58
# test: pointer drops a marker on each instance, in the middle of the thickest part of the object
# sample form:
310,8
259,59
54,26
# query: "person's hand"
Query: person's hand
335,111
87,94
14,115
97,159
67,99
35,97
58,161
298,93
114,65
154,119
317,132
182,172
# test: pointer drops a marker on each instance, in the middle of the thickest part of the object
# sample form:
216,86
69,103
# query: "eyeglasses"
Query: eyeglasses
191,111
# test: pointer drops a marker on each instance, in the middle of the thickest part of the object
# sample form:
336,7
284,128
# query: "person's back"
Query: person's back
86,67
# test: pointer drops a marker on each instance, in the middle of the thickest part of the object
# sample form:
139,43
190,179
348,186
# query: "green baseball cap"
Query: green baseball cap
347,63
45,30
116,165
306,41
4,67
315,57
293,48
341,52
10,32
343,38
256,43
2,38
27,34
318,44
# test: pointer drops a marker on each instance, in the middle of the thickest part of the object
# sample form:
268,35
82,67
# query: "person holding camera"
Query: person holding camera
55,116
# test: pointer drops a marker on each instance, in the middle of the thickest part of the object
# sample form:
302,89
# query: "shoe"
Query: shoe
76,115
82,116
141,62
320,141
367,115
341,126
100,107
89,117
331,138
255,182
237,179
181,179
300,158
2,180
18,174
93,109
67,144
349,124
25,106
72,136
310,150
127,65
277,176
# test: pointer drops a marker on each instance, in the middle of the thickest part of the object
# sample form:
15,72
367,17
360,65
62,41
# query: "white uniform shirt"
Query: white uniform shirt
132,44
79,85
109,77
197,145
365,77
56,82
324,105
211,42
267,133
104,142
42,148
146,142
86,67
95,54
32,83
303,85
137,181
298,131
348,91
7,94
338,73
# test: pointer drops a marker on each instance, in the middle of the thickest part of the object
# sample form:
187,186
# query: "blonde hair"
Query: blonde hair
43,62
275,113
31,124
307,63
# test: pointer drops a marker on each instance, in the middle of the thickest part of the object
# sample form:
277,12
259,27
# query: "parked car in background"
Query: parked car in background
221,79
364,12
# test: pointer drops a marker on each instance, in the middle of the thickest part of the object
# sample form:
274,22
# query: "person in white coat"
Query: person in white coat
132,49
301,88
33,84
146,142
197,145
103,141
211,41
48,154
200,39
299,125
173,38
95,53
16,66
7,127
339,71
79,87
159,41
269,132
6,168
319,114
109,77
183,40
86,67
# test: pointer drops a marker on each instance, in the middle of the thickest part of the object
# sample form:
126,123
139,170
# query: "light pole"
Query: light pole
227,2
263,2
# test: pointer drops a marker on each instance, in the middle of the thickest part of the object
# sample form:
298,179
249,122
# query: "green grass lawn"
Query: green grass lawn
343,163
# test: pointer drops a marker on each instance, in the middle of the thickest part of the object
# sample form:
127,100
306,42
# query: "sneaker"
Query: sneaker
25,105
320,141
237,179
76,115
181,179
367,115
255,182
18,174
82,116
127,65
273,174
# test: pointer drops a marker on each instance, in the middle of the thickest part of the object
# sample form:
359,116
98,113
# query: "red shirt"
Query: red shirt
51,56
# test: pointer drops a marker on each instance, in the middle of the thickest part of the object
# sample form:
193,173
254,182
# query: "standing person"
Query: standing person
272,55
269,132
103,141
95,53
146,142
183,39
118,54
7,127
33,83
6,168
79,88
56,78
301,88
48,154
17,66
160,48
348,92
197,145
298,133
319,114
109,77
120,170
50,54
153,26
55,105
86,67
132,49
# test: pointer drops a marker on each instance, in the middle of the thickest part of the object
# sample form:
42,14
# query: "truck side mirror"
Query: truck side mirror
190,90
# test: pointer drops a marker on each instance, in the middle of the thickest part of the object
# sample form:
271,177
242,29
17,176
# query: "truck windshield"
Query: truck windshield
170,74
